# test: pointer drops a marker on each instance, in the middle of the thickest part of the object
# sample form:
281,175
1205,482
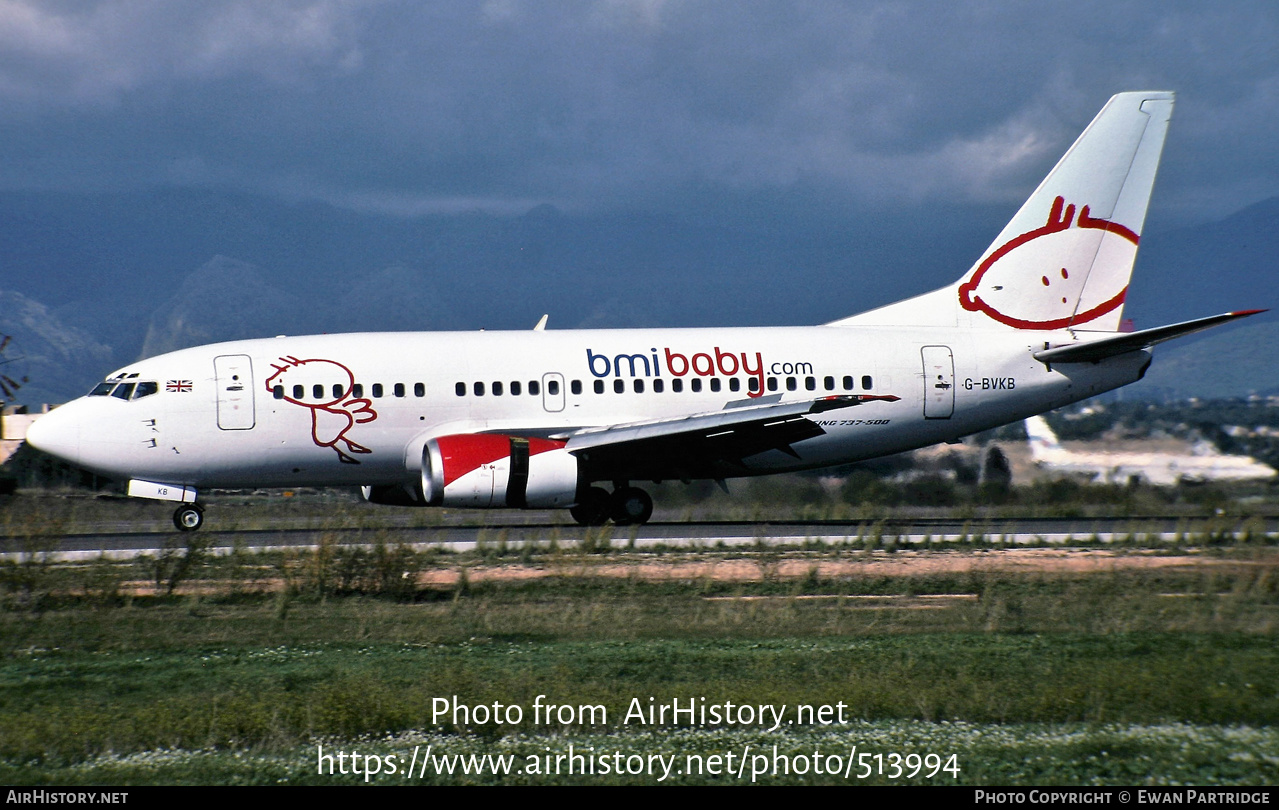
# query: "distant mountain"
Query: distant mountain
398,298
1207,269
139,273
106,263
1225,363
60,362
224,299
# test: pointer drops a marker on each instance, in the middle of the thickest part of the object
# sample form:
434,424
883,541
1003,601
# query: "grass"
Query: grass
234,668
83,688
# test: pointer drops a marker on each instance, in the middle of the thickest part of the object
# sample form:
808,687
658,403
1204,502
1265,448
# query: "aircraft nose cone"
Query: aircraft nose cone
56,433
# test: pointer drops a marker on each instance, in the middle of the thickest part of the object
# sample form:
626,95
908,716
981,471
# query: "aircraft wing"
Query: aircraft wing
1096,350
705,445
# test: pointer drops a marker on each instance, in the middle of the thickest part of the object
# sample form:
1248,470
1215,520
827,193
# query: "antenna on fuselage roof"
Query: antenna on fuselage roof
541,325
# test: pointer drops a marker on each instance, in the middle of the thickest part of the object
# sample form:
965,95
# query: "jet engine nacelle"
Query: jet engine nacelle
490,470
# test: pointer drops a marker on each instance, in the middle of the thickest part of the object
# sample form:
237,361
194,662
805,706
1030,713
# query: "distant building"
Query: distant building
14,422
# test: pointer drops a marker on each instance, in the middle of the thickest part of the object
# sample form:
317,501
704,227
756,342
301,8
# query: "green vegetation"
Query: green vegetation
171,687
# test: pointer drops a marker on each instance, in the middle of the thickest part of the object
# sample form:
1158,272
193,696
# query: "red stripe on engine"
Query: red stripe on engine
462,454
536,446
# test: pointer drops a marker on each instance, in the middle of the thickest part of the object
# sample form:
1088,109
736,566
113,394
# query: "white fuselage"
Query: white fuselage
267,413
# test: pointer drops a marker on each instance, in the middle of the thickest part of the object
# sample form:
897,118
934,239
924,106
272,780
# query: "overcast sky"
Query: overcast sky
411,107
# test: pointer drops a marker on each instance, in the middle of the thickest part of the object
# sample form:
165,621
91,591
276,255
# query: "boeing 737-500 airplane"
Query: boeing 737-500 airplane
538,419
1206,463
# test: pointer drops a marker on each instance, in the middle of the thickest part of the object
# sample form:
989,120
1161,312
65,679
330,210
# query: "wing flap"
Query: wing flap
704,445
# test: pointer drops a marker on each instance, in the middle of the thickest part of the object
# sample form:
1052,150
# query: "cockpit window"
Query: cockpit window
145,389
102,389
123,390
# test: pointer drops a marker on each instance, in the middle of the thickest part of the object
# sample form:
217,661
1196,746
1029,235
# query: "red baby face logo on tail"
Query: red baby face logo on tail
334,411
1066,272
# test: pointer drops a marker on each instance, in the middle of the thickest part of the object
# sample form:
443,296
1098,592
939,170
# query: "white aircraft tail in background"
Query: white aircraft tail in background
1160,469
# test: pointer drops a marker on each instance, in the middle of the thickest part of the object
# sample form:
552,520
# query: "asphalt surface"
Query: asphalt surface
122,540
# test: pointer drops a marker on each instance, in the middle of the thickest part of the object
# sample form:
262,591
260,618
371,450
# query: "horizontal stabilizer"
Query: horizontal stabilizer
1096,350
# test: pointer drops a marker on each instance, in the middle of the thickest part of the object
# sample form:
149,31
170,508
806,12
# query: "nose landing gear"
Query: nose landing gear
188,517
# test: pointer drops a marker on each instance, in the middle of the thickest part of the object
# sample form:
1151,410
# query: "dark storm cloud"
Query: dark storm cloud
412,107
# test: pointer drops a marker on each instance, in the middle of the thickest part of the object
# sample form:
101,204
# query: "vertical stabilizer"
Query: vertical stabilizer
1043,442
1065,259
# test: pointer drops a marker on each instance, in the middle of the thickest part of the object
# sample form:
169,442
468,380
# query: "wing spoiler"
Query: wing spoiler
1096,350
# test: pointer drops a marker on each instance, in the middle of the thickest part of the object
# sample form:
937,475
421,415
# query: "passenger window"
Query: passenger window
848,383
515,388
298,392
460,389
695,384
553,388
497,389
419,389
337,392
791,384
752,385
677,385
534,388
658,386
829,382
867,383
715,384
810,383
638,385
478,389
102,389
399,389
377,390
278,392
575,387
619,387
123,391
317,391
599,386
146,389
734,384
772,383
357,390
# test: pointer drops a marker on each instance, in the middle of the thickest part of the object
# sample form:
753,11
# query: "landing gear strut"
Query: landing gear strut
188,517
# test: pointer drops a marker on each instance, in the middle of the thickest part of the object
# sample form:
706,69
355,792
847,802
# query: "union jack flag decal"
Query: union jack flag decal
179,386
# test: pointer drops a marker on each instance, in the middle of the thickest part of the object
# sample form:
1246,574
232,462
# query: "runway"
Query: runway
119,542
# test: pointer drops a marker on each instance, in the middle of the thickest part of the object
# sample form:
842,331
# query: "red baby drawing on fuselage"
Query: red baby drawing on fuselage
1066,272
335,411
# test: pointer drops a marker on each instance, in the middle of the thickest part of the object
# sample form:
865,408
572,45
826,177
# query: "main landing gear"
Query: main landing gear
625,506
188,517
